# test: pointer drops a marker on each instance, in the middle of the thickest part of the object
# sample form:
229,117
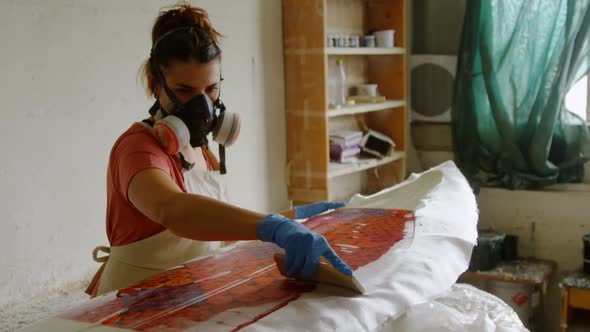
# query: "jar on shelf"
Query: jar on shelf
330,40
369,41
354,41
344,40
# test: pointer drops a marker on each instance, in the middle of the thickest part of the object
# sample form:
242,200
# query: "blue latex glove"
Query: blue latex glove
308,211
303,247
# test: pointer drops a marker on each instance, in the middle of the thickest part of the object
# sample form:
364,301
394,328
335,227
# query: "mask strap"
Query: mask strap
222,168
155,107
220,80
219,104
162,80
185,164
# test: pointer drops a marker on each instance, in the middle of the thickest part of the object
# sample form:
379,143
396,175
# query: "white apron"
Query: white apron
131,263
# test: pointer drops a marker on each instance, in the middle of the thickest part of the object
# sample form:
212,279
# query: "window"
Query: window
577,98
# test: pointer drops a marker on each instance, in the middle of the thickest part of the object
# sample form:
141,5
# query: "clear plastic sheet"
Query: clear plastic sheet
463,308
577,280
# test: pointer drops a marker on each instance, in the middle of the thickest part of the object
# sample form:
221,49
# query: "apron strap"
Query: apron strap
103,259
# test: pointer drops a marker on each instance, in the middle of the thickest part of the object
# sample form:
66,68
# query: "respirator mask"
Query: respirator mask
191,122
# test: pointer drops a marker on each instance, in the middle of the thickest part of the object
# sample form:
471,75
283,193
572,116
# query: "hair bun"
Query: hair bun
180,15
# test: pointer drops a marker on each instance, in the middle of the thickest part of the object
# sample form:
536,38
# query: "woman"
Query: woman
165,204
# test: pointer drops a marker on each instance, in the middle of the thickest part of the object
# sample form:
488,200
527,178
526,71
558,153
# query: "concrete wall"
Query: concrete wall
68,87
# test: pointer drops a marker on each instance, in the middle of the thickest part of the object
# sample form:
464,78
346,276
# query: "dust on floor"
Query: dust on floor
26,311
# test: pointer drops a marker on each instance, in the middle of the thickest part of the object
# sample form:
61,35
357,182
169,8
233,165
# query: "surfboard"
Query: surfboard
243,283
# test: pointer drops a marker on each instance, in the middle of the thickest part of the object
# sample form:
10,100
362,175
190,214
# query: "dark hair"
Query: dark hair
200,44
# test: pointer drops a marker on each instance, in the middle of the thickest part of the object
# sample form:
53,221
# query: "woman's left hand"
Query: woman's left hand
308,211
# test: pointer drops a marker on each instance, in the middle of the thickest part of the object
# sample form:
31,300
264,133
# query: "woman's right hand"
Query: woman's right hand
303,247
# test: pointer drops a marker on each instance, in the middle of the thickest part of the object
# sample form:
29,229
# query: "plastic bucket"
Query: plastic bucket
518,296
384,38
510,249
367,90
488,251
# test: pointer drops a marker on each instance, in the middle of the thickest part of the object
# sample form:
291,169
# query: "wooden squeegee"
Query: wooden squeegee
326,274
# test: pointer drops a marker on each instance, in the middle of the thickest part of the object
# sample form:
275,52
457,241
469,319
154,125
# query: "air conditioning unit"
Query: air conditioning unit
433,80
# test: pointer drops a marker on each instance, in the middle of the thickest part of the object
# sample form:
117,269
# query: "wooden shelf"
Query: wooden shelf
337,169
307,64
365,108
364,50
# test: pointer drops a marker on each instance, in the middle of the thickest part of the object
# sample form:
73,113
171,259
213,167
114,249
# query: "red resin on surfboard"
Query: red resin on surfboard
243,277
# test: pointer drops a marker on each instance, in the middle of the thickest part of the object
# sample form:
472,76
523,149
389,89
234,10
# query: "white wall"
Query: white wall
68,89
549,224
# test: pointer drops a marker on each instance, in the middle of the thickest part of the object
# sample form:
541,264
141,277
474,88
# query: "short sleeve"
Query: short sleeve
134,155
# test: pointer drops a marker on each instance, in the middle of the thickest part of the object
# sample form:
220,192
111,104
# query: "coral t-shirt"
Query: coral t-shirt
135,150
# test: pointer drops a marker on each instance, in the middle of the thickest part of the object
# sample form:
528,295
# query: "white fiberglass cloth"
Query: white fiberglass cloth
416,270
463,308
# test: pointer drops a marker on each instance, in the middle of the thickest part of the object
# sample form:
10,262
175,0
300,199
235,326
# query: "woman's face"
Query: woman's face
188,79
